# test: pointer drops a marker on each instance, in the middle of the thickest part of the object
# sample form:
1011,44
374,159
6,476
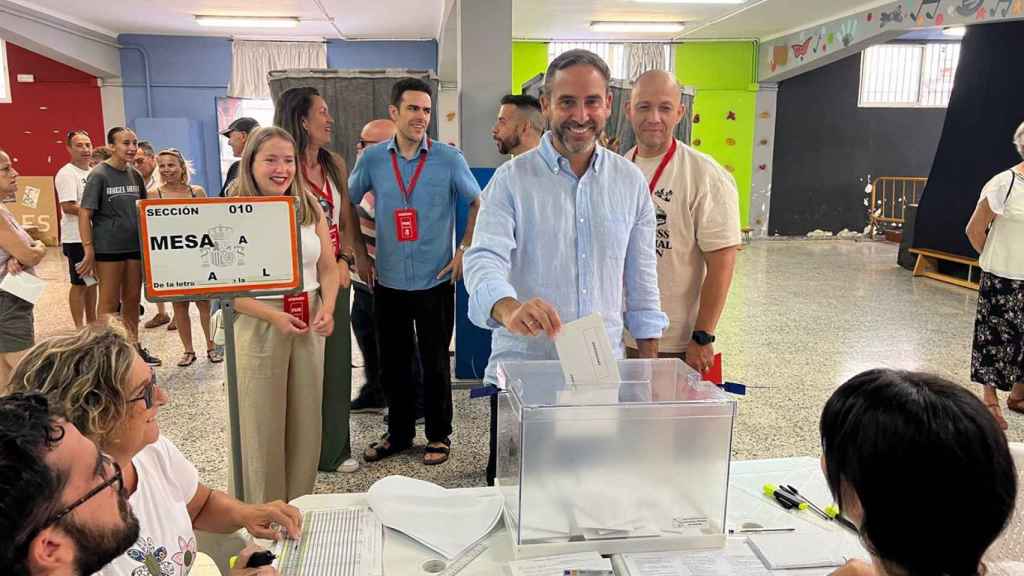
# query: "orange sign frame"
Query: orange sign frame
234,289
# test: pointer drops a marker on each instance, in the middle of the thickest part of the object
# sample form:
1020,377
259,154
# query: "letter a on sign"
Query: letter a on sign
212,276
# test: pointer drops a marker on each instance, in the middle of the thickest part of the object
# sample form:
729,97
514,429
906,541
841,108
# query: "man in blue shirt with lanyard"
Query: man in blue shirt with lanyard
567,230
417,182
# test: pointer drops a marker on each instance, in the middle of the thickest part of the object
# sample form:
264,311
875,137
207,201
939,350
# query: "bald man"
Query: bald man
371,396
698,221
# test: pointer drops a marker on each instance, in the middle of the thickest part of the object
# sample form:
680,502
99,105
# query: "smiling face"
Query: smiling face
412,116
125,146
80,149
577,108
171,170
140,427
273,167
318,123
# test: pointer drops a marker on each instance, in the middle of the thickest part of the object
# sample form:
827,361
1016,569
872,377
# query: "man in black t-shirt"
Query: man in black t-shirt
237,134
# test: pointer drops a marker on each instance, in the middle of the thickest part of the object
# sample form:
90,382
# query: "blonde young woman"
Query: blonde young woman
108,223
18,254
97,380
174,182
280,355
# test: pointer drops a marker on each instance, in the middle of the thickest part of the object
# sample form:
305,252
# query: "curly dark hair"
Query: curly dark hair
29,489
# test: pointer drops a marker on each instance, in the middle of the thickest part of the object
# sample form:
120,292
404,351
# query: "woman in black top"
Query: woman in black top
109,225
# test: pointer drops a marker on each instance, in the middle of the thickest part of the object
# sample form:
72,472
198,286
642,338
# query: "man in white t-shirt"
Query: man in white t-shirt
70,183
698,222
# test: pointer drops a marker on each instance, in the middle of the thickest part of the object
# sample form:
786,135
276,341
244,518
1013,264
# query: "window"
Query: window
5,87
908,75
612,53
228,109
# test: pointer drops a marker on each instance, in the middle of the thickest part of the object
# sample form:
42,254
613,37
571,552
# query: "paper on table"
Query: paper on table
586,352
805,549
736,559
557,565
446,522
24,285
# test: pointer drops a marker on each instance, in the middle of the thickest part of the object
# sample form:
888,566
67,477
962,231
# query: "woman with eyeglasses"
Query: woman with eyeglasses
173,181
18,254
97,380
108,223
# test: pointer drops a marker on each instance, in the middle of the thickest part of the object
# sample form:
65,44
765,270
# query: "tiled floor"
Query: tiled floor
802,317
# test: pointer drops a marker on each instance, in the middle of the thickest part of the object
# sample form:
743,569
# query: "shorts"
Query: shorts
17,330
119,257
75,253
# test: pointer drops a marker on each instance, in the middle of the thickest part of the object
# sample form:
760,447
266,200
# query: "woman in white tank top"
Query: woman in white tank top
279,341
996,231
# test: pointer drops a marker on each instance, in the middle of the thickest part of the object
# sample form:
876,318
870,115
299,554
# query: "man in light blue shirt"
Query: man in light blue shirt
417,182
566,230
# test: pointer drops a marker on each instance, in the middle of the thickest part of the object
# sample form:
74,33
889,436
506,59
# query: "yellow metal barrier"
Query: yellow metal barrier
890,196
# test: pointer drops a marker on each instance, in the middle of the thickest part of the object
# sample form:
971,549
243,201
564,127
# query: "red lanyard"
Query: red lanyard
323,192
415,175
661,167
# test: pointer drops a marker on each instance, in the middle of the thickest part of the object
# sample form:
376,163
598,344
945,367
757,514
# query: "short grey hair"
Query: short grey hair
1018,139
577,57
147,147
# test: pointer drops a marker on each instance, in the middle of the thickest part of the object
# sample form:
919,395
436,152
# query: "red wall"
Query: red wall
34,124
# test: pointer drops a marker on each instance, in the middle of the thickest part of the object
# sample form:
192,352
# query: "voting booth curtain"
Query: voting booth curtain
354,97
984,109
618,125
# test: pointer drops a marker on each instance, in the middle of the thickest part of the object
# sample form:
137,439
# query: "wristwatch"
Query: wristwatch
702,338
462,247
348,259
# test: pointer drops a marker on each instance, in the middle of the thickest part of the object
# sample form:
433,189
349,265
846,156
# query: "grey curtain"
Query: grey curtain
354,97
618,125
641,57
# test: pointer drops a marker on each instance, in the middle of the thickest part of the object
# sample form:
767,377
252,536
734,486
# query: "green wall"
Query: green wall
724,75
528,60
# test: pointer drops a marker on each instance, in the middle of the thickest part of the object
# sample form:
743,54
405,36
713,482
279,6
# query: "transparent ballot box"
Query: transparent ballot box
639,465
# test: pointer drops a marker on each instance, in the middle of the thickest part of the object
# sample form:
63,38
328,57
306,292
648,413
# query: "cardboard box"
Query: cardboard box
35,207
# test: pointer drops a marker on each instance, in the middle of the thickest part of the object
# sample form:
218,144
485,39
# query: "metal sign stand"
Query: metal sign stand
228,312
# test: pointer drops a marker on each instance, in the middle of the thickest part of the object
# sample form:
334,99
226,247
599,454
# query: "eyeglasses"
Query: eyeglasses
117,477
148,391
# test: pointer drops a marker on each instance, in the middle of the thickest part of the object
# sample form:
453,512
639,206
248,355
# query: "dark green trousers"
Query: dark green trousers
335,446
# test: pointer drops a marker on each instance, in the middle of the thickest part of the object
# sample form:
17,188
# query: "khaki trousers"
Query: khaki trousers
280,390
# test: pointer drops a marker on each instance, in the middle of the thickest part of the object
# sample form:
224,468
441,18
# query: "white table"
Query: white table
404,556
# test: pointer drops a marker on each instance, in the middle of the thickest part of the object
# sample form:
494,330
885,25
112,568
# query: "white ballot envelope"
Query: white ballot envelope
586,352
24,286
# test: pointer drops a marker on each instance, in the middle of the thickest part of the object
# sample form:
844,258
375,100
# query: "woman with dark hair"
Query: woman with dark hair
303,113
996,231
108,217
920,467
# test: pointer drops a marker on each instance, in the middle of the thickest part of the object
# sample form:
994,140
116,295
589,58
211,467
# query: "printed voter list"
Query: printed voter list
219,245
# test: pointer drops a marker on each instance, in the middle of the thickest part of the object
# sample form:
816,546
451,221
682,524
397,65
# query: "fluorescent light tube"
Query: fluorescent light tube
246,22
626,26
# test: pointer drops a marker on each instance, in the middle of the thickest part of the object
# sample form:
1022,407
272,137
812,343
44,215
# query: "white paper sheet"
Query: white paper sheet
24,285
736,559
586,352
337,542
447,522
804,549
557,565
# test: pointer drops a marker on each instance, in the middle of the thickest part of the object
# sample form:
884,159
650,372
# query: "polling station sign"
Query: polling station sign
219,247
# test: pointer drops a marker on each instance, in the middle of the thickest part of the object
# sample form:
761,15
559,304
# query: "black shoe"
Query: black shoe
367,405
420,420
147,357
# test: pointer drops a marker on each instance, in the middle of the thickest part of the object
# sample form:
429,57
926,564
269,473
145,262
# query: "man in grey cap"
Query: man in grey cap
237,134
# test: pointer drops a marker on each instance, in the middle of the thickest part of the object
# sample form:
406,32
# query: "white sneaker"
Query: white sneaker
349,466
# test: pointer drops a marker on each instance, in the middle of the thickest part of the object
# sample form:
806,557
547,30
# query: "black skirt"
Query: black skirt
17,331
997,357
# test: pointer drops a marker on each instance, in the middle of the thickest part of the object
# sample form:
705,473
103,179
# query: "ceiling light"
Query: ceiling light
690,1
957,31
607,26
246,22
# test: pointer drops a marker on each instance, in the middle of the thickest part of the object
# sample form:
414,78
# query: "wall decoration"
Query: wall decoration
765,115
894,17
800,50
729,168
780,56
696,142
995,9
763,142
696,118
968,8
730,141
731,115
762,167
929,14
981,14
870,16
848,29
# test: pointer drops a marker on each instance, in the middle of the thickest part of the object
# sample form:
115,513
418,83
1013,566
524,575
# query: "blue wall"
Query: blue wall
188,72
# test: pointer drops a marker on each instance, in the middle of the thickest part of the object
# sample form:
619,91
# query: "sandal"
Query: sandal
378,451
172,325
187,359
1015,404
214,355
444,450
993,407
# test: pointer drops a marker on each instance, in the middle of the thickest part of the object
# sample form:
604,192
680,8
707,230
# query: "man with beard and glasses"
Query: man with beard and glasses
62,507
566,230
520,124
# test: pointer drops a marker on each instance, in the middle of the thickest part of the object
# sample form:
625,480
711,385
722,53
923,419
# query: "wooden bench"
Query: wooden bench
928,266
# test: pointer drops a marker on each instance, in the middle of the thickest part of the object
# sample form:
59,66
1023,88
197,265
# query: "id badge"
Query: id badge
336,239
406,226
298,305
